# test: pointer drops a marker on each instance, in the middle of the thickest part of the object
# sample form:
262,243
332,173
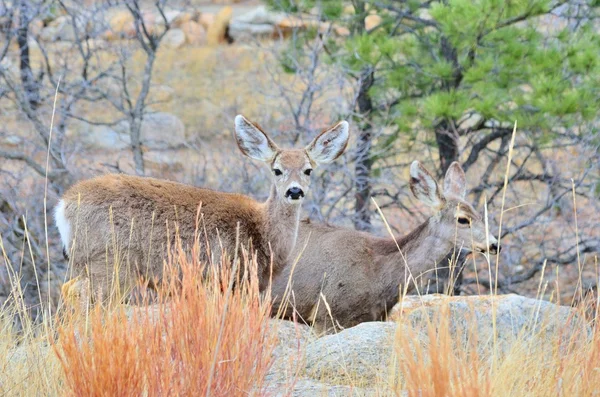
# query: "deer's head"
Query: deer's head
291,168
455,219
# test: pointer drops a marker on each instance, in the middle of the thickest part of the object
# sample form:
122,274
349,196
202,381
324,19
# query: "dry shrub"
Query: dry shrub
202,335
440,362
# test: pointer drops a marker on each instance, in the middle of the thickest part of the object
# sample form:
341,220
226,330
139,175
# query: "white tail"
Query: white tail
360,275
117,227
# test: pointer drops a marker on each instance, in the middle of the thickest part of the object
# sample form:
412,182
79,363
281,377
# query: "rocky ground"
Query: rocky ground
370,359
365,360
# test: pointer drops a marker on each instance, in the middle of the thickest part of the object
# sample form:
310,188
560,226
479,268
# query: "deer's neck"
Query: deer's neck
281,225
421,250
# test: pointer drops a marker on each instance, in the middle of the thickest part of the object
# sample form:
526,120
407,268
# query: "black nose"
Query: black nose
494,249
295,193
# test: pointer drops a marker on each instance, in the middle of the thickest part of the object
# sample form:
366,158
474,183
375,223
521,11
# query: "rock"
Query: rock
175,38
348,10
260,16
159,130
206,19
240,31
217,31
514,315
183,18
470,119
359,355
372,21
258,23
103,137
11,140
288,353
288,25
367,354
341,31
195,34
161,94
171,16
35,27
62,29
120,23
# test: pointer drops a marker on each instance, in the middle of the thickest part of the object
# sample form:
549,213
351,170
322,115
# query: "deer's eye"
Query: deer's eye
308,171
277,171
463,221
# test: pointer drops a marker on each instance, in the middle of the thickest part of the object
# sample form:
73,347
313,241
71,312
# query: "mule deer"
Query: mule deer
117,229
360,275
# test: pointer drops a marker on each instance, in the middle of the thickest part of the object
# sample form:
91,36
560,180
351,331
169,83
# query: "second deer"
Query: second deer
117,229
360,276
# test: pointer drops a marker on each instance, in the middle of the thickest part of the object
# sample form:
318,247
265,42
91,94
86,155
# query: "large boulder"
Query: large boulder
159,131
510,316
102,137
195,34
64,28
258,23
359,355
121,23
174,38
368,353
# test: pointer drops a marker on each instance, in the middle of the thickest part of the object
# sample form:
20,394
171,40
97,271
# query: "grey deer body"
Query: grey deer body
117,229
359,275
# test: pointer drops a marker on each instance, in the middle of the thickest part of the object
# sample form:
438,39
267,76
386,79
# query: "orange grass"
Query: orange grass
199,327
445,363
434,367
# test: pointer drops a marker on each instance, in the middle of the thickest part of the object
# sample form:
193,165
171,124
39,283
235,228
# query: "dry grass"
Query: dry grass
202,337
207,334
439,362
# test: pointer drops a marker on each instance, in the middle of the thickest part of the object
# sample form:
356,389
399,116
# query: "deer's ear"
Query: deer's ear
253,141
455,181
424,186
329,144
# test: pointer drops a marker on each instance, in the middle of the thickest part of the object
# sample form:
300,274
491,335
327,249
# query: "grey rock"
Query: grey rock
160,130
174,38
358,356
241,31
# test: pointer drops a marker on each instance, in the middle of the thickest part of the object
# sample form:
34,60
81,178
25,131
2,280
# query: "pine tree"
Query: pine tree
460,69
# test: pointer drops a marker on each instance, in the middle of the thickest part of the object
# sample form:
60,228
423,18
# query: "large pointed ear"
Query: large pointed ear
329,144
424,186
455,182
252,141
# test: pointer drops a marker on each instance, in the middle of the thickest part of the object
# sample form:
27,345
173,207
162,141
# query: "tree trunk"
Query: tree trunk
447,144
445,135
136,147
30,85
364,163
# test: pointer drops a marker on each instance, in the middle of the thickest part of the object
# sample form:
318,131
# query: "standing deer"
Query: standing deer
359,275
117,229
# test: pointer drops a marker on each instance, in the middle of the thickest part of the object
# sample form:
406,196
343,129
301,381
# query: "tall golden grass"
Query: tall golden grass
206,335
440,362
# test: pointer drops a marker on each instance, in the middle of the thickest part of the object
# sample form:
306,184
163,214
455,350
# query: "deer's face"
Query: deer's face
291,174
464,226
291,168
456,220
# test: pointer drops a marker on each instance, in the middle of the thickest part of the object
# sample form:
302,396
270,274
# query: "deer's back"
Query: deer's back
139,217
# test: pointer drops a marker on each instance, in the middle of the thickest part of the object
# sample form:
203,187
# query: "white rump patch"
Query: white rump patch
64,228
